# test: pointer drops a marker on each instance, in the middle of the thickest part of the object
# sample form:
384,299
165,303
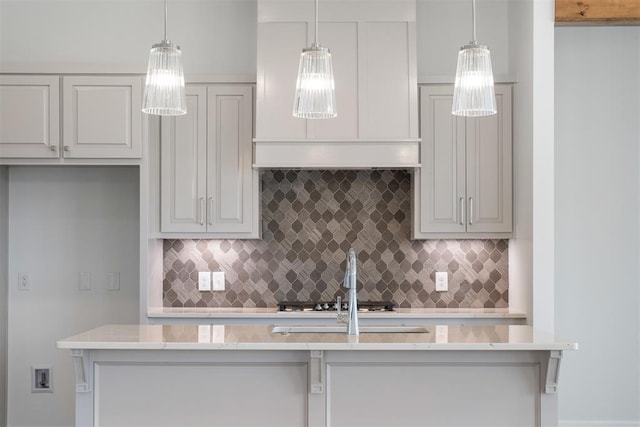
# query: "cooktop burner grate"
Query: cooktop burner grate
301,306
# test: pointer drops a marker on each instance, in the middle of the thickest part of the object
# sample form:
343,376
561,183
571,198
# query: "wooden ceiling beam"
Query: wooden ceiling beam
603,12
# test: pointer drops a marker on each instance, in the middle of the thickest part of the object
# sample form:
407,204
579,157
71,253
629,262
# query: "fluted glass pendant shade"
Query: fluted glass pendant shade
164,93
474,94
315,89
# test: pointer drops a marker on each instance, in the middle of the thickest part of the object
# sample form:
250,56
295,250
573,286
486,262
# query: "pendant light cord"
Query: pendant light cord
316,18
165,19
473,18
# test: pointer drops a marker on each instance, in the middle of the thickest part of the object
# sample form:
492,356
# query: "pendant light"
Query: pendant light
315,89
473,93
164,87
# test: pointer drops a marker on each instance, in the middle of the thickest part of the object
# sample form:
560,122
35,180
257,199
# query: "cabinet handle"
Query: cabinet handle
462,210
201,210
210,210
53,148
470,210
66,148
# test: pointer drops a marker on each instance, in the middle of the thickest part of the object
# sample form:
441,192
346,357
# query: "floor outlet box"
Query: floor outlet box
218,280
204,281
442,281
41,379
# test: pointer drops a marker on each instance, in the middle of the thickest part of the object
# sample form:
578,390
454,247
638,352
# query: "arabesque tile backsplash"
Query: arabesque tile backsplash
310,219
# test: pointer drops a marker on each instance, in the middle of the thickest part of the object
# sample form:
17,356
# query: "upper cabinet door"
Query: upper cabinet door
29,116
373,51
440,183
184,166
489,169
464,188
102,117
229,152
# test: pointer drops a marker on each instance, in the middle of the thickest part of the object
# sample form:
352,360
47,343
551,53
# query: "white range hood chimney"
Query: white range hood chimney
373,46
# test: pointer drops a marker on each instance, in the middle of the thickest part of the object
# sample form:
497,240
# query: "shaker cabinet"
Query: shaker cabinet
208,185
464,187
102,116
29,116
92,117
373,50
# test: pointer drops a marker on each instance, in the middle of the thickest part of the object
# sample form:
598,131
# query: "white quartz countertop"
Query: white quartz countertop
261,337
272,313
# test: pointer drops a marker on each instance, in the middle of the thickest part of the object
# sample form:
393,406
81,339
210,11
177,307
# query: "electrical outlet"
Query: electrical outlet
442,334
24,281
218,280
84,281
204,281
42,379
442,281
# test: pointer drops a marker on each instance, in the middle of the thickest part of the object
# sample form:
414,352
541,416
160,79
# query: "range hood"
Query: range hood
373,45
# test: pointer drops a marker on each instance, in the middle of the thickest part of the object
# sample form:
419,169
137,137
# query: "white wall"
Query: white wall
4,247
216,36
62,221
597,223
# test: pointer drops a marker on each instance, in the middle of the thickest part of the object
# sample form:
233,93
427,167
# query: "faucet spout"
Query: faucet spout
350,282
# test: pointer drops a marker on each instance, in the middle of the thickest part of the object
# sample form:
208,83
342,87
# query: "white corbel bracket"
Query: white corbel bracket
316,372
81,365
552,372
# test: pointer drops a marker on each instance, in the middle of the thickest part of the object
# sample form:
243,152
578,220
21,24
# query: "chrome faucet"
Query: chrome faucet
350,282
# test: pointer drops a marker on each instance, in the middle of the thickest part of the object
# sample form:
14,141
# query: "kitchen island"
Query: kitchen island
248,375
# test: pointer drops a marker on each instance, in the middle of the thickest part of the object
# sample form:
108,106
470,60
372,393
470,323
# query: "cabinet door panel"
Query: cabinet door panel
279,48
385,83
183,166
29,116
441,179
342,38
489,175
102,117
229,173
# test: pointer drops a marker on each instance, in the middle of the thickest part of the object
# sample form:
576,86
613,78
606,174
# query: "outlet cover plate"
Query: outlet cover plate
218,280
41,379
442,281
204,281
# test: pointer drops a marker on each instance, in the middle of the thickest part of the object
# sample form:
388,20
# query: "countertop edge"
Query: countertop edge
71,345
400,314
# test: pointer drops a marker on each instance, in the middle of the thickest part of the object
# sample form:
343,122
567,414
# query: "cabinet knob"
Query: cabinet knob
53,148
66,148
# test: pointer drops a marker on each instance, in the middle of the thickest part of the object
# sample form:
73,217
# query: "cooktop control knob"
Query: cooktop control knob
318,307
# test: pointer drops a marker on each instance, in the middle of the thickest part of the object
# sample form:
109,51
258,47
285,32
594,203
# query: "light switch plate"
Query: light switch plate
84,281
442,281
218,280
113,281
204,281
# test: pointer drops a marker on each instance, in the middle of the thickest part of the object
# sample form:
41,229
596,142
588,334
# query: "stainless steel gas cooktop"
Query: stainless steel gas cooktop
309,306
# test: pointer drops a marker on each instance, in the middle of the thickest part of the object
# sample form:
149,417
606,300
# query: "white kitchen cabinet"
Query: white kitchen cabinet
29,116
208,185
464,187
374,57
102,116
